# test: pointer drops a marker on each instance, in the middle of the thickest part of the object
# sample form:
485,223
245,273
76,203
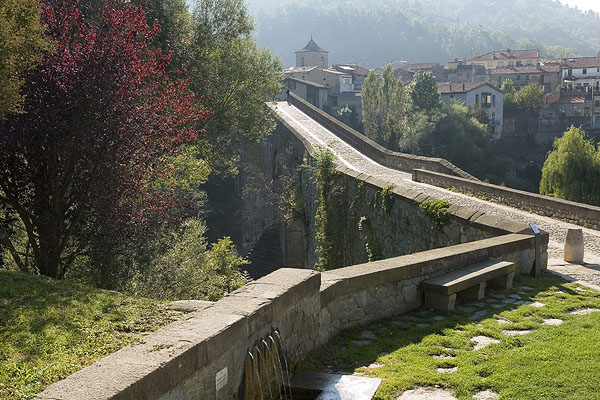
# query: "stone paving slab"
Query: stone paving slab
337,387
428,393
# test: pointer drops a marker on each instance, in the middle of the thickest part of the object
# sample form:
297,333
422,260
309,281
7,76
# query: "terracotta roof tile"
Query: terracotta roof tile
507,55
460,87
583,62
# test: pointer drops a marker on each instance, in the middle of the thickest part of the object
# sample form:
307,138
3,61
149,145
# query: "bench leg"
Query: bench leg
503,282
476,292
440,302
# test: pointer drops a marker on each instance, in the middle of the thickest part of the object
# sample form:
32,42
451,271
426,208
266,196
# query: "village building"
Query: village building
312,55
483,94
547,76
506,58
459,71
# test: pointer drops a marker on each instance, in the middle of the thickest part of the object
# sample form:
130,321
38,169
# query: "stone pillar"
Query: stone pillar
574,246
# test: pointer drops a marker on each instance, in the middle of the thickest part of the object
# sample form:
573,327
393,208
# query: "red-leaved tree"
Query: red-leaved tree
101,124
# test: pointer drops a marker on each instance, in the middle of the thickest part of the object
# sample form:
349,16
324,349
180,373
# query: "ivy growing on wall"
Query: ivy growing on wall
438,211
324,174
387,198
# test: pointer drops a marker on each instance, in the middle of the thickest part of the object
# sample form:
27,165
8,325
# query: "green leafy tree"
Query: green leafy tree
385,103
189,270
174,19
236,78
22,43
572,169
449,132
510,101
348,116
423,92
369,105
529,99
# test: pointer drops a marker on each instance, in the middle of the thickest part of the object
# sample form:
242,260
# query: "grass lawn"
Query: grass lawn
50,329
551,362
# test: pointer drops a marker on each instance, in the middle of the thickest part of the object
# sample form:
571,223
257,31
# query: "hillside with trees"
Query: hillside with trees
378,32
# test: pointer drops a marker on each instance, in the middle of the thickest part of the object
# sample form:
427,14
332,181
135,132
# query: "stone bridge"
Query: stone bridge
357,153
387,243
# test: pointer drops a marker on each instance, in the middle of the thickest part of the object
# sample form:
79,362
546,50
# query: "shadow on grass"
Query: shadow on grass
51,328
363,347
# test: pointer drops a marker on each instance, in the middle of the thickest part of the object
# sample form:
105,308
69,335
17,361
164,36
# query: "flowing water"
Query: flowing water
267,371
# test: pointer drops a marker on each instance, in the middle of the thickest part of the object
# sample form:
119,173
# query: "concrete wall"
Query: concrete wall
569,211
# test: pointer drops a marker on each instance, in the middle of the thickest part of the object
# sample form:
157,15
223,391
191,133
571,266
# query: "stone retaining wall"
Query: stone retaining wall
376,152
569,211
182,360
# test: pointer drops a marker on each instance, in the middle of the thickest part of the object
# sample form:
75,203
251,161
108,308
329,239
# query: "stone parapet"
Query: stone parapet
376,152
565,210
181,361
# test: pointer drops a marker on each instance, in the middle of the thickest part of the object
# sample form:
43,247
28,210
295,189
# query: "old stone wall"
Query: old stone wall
182,361
376,152
569,211
185,359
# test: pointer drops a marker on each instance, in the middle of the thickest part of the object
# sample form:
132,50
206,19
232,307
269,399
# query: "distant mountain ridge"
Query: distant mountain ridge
380,31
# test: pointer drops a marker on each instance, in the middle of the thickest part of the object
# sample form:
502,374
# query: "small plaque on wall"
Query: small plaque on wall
221,379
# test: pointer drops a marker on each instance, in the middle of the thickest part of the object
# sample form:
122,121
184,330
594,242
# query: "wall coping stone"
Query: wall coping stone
544,205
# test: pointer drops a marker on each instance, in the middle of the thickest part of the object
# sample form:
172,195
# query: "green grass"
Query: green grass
552,362
50,329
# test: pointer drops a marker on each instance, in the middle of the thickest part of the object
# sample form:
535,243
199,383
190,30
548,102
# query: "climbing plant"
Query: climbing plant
324,174
438,211
387,198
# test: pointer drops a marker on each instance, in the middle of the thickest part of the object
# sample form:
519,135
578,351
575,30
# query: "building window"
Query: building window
302,62
493,100
486,100
519,63
323,62
596,103
585,71
476,99
518,77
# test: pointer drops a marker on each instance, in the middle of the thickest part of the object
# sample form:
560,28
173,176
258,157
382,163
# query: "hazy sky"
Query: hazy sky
583,4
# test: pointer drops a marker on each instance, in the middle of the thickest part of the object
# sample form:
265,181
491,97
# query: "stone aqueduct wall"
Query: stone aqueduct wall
182,360
569,211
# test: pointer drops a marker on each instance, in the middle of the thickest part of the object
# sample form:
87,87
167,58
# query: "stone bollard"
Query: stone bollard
574,246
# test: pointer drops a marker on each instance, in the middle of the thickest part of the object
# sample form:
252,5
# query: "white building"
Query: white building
473,93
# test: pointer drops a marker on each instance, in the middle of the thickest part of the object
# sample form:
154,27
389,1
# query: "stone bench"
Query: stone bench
469,282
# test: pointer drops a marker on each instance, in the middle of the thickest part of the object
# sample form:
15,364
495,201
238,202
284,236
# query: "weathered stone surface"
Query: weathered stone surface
446,370
553,322
584,311
574,249
189,305
337,387
428,393
485,395
516,332
483,341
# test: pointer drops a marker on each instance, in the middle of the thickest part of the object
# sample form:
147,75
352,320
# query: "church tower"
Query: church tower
312,56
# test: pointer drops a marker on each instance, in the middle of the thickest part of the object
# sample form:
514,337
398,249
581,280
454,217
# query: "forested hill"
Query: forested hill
381,31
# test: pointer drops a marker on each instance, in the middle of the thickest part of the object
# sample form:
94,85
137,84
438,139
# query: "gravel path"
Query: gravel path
351,158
